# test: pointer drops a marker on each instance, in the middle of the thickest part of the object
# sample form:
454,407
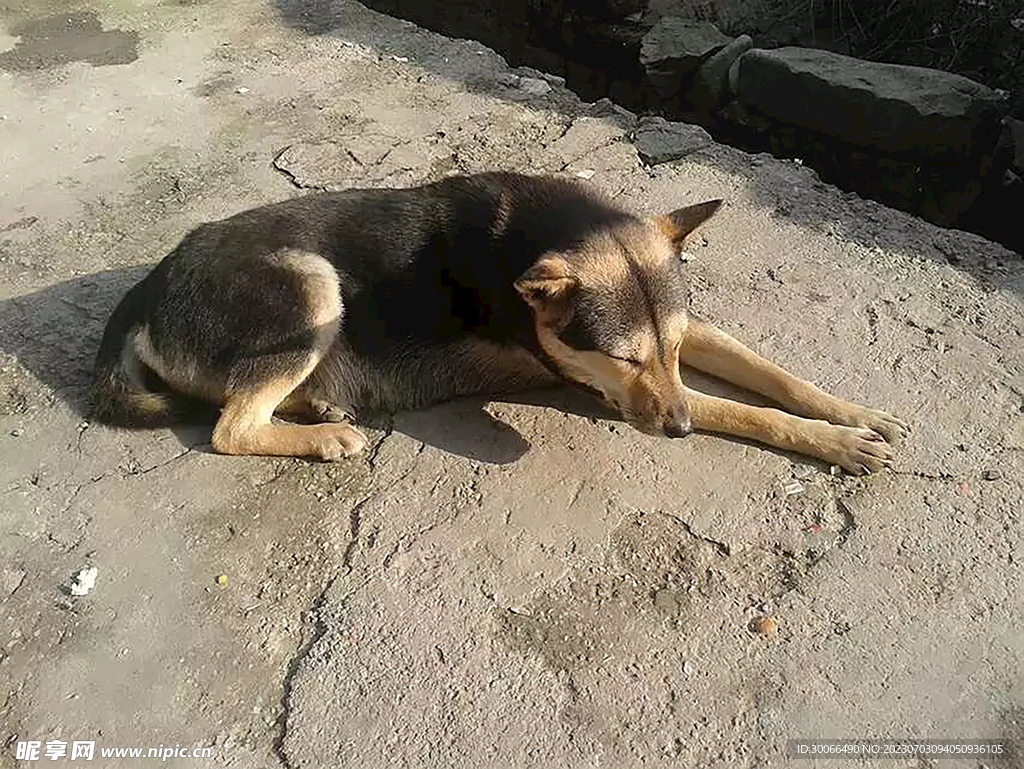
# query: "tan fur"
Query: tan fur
675,226
321,285
843,433
651,394
647,396
182,375
596,267
245,427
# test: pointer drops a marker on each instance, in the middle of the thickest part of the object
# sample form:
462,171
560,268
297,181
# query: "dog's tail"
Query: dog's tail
119,395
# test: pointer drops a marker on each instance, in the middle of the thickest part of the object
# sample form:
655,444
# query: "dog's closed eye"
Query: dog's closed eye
630,361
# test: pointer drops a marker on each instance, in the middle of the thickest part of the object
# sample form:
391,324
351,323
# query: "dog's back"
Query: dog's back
413,290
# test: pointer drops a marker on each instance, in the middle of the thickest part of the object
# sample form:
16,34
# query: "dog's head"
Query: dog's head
611,312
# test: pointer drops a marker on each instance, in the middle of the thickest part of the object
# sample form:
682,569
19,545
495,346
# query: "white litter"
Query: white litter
242,89
685,256
586,173
85,581
793,487
401,59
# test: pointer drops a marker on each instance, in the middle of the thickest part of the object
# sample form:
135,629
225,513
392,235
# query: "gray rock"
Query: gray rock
658,141
534,86
895,109
674,48
711,83
608,110
10,581
555,80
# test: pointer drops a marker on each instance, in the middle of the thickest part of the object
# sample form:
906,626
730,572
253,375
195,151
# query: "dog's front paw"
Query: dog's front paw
886,425
858,450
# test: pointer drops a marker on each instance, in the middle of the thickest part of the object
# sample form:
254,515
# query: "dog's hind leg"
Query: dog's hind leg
709,349
291,332
246,427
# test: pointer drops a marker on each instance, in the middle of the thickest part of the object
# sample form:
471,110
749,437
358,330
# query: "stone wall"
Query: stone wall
926,141
919,139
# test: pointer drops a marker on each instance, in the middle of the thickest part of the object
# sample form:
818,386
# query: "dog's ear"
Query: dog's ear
547,282
681,222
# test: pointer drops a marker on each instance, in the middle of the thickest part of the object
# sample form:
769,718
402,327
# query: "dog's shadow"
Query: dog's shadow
54,333
466,428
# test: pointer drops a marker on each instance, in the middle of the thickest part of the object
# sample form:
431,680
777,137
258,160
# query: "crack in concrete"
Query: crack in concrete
158,465
591,151
371,457
354,522
721,548
70,501
316,633
283,170
279,473
849,524
319,626
78,490
576,494
872,313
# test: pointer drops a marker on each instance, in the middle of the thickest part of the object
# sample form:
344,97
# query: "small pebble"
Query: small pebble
242,89
222,579
16,432
793,487
992,475
766,626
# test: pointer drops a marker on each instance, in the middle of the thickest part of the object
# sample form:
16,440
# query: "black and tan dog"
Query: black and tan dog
342,303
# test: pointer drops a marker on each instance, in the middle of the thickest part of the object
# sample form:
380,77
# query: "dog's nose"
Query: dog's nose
678,429
678,424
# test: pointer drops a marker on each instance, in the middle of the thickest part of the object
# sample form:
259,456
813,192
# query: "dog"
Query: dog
324,308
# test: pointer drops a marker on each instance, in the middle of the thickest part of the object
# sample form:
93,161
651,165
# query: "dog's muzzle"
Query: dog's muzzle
678,423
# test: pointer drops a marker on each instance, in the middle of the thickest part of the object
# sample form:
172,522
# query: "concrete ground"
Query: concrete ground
517,583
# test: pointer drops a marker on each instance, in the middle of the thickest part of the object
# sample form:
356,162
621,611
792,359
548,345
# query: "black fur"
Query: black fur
424,274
